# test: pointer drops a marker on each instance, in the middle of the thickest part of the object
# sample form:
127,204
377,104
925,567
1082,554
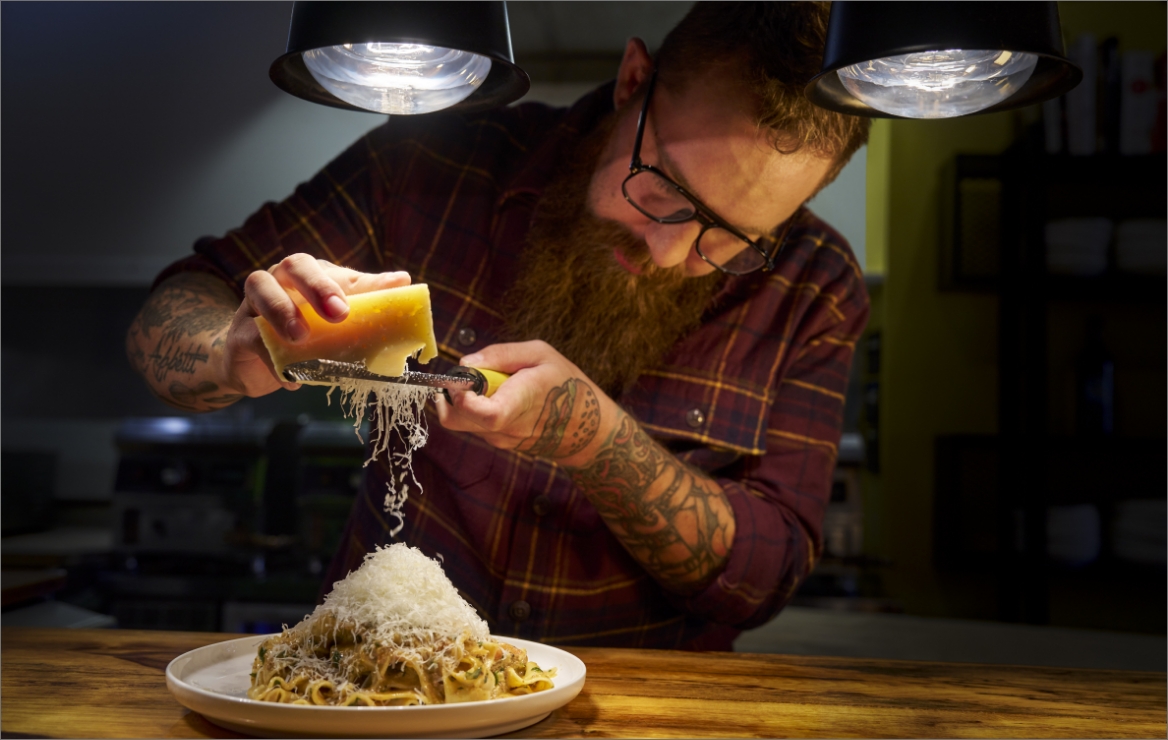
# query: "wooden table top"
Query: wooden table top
111,683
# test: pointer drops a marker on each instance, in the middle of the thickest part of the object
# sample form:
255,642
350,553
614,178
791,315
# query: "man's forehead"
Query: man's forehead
678,170
707,142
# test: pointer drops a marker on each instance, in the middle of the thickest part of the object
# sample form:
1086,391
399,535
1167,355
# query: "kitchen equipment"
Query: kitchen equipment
480,381
213,514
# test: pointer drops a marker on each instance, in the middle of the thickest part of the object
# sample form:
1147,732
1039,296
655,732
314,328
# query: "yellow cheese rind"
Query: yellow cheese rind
383,328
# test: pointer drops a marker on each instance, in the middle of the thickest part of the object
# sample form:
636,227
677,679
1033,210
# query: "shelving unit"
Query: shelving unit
1035,461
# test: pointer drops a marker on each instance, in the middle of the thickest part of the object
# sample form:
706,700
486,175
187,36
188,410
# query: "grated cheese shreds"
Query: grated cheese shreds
399,606
394,632
403,596
397,408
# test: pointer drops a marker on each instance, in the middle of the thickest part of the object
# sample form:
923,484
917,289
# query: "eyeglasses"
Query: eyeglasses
656,195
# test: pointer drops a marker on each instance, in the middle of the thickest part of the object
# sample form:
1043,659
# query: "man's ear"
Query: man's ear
635,67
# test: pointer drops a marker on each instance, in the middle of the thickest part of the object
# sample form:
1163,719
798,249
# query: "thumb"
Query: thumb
509,357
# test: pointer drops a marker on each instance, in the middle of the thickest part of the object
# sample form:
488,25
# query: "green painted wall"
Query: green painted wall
939,369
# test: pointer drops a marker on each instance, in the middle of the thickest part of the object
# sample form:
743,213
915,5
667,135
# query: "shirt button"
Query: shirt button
541,505
695,418
466,336
520,610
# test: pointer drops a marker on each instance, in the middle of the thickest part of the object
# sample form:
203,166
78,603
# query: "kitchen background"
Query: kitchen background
1004,453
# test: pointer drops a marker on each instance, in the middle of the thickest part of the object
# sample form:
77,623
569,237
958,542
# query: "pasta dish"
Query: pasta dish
394,632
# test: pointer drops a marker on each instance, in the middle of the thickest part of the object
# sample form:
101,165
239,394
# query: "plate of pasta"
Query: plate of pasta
214,681
394,651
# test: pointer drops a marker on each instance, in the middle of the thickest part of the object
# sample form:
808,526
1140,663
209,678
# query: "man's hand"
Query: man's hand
675,520
198,347
547,408
279,294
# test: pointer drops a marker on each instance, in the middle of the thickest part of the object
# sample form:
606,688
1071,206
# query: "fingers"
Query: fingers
513,356
264,296
364,282
499,417
308,277
469,412
530,365
325,285
545,395
248,363
275,294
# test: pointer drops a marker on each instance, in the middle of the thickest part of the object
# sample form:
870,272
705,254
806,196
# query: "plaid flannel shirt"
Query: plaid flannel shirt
754,396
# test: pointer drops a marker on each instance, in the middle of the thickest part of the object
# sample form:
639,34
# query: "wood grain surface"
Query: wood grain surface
111,683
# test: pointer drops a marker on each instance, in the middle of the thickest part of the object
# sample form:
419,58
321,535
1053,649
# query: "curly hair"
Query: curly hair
776,47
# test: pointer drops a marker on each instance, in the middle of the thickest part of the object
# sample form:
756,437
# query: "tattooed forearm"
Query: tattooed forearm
567,423
172,341
171,355
196,398
673,519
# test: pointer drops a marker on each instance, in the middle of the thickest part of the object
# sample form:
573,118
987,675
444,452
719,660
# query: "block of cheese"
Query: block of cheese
383,328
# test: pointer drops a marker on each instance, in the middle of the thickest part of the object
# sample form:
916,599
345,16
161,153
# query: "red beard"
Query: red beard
575,296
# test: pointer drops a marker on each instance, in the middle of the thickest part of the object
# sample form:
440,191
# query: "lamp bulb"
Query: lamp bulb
938,84
398,79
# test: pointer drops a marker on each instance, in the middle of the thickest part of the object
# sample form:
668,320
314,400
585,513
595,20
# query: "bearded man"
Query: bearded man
642,265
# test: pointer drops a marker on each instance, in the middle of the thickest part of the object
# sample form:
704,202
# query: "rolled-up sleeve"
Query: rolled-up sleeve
779,498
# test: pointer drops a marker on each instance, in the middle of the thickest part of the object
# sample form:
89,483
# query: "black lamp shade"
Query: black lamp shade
862,31
478,27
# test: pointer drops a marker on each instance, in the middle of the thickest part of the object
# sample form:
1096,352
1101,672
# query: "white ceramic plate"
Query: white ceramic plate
213,681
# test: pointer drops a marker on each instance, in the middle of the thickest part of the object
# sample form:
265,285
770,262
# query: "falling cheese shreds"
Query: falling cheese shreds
396,408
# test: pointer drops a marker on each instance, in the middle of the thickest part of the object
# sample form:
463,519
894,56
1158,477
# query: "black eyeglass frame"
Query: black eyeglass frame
703,214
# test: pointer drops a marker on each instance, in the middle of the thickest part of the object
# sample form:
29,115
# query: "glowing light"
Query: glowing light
938,84
398,79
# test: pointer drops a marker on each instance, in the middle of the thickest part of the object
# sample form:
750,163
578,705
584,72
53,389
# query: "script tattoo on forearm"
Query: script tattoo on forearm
673,519
567,423
170,336
170,356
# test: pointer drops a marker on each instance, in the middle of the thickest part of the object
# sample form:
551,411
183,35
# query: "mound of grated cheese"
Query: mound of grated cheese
402,597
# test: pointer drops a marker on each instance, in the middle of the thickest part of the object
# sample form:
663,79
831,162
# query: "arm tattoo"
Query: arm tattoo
170,356
568,422
673,519
168,341
189,397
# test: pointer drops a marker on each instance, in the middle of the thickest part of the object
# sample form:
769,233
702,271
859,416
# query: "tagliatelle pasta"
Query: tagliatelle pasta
394,632
352,671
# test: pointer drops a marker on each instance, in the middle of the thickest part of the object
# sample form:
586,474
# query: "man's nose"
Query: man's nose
670,244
